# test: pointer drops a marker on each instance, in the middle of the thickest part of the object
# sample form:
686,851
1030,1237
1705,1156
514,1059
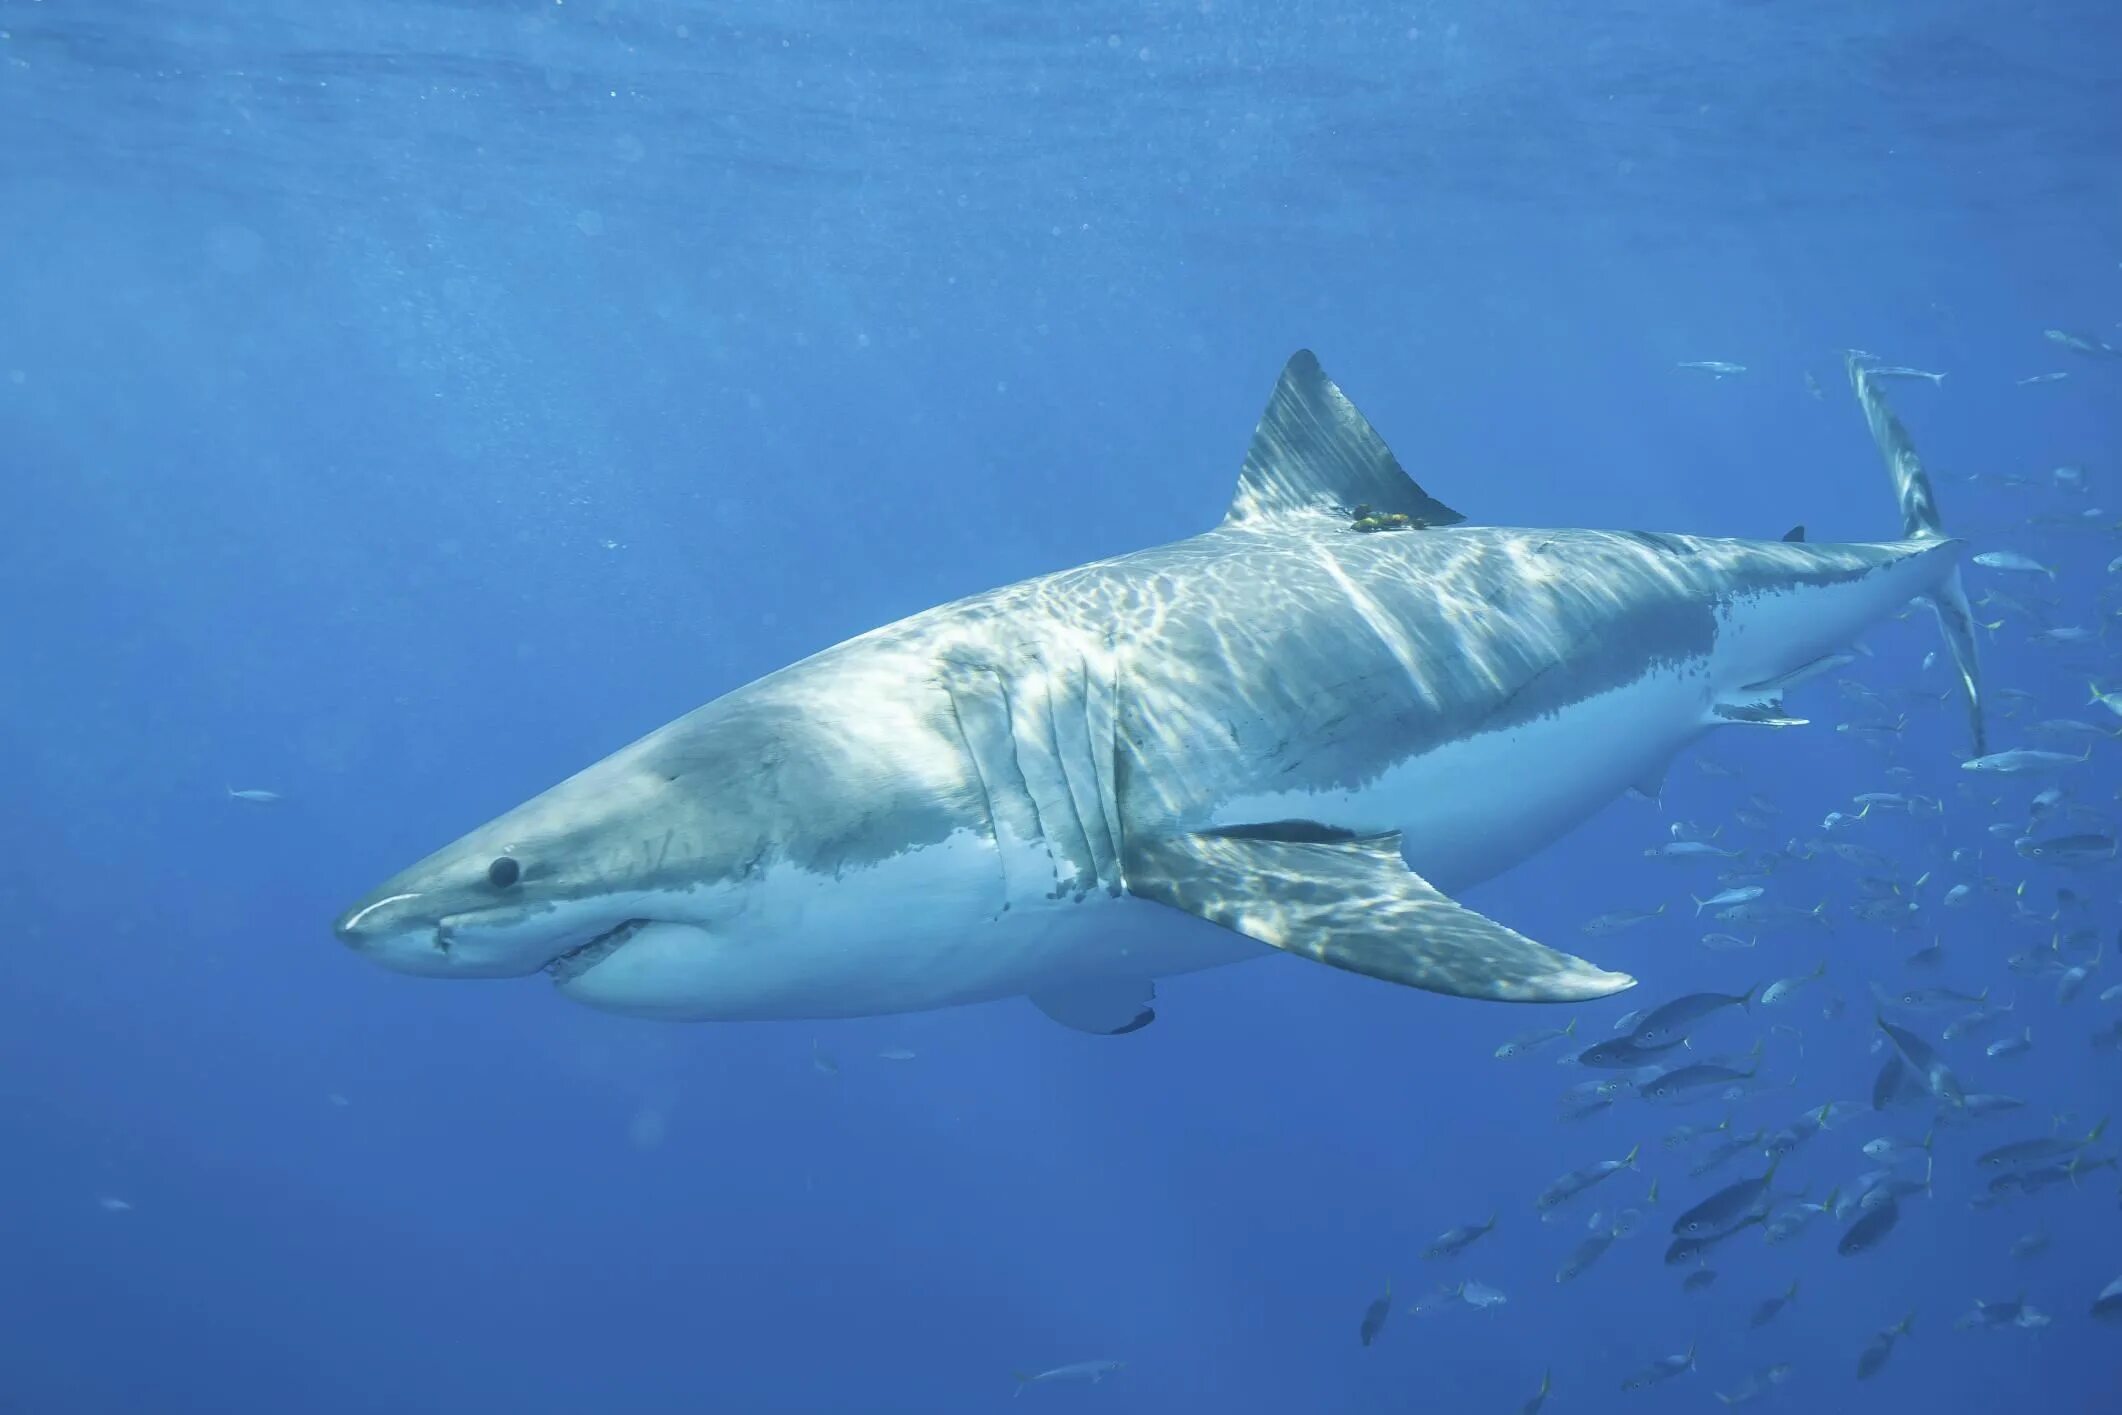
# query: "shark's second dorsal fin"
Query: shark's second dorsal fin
1314,452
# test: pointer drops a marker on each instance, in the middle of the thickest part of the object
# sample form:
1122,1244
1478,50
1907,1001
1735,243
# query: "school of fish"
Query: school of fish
1949,919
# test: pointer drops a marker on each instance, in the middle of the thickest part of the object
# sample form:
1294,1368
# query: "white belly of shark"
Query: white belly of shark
1473,807
914,932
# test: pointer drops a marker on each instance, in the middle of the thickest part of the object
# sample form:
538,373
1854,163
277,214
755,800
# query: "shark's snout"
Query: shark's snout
372,920
485,923
392,932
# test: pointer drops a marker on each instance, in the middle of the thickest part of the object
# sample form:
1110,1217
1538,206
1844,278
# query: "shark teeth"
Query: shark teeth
580,959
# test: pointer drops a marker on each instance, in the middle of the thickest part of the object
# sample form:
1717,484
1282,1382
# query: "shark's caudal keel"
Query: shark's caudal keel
1303,730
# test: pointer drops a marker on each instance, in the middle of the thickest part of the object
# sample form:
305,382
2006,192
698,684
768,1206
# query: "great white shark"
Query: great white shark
1307,729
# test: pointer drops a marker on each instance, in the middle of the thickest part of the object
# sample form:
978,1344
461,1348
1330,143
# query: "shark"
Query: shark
1305,731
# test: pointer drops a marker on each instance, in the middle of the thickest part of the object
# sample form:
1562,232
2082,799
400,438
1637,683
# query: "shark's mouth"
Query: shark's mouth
585,956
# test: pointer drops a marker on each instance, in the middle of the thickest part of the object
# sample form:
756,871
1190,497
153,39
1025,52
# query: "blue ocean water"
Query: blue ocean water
405,403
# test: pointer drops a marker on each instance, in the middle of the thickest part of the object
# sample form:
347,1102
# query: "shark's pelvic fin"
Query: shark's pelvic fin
1920,521
1356,905
1104,1008
1314,452
1651,785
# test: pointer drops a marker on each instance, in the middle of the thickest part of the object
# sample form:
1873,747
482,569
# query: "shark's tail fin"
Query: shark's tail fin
1920,521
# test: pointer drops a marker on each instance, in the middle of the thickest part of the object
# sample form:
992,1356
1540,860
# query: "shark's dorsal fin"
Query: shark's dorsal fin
1795,535
1314,452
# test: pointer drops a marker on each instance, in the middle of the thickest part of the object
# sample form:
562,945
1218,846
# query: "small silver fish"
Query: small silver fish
2023,761
2013,561
2073,979
1890,1149
1454,1241
1661,1370
1758,1384
1769,1308
1526,1043
2071,728
1689,850
1783,988
1620,919
1874,1356
1670,1022
1726,898
2017,1312
1685,1134
1798,1217
1930,999
2069,850
1481,1296
1088,1372
1569,1186
2087,344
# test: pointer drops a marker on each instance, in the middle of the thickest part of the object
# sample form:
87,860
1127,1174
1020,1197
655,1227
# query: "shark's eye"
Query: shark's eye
503,872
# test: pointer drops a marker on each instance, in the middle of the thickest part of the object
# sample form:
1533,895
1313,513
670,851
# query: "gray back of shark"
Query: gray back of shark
1303,730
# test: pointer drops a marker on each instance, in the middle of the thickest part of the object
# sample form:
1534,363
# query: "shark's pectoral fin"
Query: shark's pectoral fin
1103,1008
1355,904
